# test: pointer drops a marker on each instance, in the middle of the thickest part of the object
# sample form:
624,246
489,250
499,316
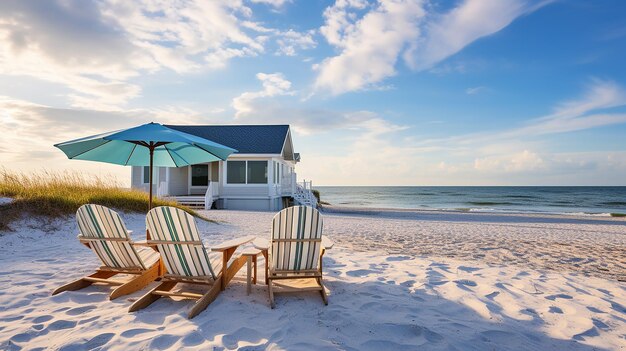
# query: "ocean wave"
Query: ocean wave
613,203
489,203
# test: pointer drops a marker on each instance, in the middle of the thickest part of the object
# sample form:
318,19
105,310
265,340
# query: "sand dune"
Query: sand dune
404,300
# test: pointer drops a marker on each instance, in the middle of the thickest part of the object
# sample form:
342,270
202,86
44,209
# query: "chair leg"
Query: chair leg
323,291
271,293
206,300
137,283
267,265
82,283
150,297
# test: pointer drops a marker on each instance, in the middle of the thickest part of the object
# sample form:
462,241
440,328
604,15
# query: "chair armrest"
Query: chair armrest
230,244
327,243
84,242
251,251
143,243
261,244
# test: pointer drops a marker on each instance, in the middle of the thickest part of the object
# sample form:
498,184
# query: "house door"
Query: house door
199,179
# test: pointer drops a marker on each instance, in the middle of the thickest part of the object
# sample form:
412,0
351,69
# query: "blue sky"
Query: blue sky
388,92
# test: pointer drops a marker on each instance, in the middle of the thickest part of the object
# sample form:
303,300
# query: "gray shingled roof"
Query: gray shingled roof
246,139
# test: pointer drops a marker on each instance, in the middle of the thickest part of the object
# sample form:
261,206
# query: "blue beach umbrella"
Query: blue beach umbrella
149,144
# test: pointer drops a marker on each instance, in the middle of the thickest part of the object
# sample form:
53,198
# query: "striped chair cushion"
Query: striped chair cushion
95,221
296,239
174,225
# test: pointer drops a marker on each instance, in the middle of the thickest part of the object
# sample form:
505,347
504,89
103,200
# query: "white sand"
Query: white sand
476,301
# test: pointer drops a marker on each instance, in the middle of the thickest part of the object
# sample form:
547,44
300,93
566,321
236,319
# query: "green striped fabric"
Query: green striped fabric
298,224
173,225
95,221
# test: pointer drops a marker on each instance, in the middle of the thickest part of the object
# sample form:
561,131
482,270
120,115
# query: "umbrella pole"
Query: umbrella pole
151,156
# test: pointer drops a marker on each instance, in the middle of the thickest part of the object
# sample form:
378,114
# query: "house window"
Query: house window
199,175
236,172
257,172
246,172
146,175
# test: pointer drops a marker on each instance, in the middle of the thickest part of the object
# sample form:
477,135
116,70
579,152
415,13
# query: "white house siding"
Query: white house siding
244,190
136,178
178,181
267,204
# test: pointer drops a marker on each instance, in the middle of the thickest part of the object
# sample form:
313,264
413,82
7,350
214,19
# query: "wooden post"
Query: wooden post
249,276
151,148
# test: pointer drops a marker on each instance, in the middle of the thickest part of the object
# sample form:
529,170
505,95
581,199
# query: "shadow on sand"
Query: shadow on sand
380,315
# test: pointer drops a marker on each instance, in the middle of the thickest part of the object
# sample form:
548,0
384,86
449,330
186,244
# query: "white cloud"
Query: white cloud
583,113
447,34
369,46
290,42
273,84
506,157
96,48
277,103
36,127
525,161
371,37
475,90
274,3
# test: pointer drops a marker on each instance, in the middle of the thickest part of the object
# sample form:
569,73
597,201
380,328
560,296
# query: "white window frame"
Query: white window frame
155,172
225,175
189,176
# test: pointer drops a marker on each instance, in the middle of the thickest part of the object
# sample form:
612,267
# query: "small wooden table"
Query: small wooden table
251,254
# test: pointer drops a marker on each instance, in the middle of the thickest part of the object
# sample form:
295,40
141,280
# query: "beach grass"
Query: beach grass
58,194
618,214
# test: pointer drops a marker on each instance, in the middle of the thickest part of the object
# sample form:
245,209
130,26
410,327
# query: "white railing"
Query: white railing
208,196
304,194
162,189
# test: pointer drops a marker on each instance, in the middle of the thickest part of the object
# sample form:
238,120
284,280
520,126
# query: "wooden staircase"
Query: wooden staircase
189,200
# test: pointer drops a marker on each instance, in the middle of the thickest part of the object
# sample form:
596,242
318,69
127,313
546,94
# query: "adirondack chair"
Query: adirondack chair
174,234
294,252
103,231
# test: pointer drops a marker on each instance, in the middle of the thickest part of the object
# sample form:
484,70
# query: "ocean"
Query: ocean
592,200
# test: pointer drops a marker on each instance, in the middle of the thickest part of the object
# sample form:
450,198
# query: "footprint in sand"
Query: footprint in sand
600,324
80,310
554,309
465,283
617,307
595,310
98,341
163,341
131,333
360,272
193,339
241,335
558,296
492,295
593,331
398,258
42,319
468,269
20,338
62,324
497,336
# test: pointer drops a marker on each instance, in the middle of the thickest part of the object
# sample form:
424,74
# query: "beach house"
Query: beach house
259,176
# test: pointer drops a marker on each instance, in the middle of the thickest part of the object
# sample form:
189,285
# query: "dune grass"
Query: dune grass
59,194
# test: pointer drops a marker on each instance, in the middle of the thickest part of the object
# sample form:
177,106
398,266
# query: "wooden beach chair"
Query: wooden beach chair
173,232
294,253
103,231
